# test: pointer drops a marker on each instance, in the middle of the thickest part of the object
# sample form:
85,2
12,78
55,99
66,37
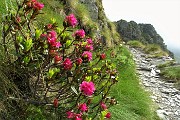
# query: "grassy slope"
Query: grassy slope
134,103
172,73
152,50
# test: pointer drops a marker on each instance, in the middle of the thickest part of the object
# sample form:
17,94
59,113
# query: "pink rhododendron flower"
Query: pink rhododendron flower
52,34
79,34
88,55
38,5
103,105
102,56
79,61
87,88
89,47
74,116
70,114
52,42
89,41
108,115
78,116
67,64
57,44
71,20
83,107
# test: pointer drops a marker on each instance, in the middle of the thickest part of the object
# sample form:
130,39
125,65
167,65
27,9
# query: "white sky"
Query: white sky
164,15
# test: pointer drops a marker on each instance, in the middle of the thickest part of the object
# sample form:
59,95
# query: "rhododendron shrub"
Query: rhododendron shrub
67,72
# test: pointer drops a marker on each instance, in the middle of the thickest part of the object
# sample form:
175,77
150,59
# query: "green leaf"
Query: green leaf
38,33
88,78
103,114
52,72
28,44
58,30
74,90
53,20
68,43
19,39
26,60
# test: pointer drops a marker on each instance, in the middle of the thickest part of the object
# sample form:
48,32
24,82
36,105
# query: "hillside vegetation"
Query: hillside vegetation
153,50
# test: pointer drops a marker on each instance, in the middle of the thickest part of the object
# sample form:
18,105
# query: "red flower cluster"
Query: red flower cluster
35,5
108,115
67,64
87,55
89,47
79,61
89,41
103,56
83,107
103,105
87,88
74,116
51,37
71,20
79,34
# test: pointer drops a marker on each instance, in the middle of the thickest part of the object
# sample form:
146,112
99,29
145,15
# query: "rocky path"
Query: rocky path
163,93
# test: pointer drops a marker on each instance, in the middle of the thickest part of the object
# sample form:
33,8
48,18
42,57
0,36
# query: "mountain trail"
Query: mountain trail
163,93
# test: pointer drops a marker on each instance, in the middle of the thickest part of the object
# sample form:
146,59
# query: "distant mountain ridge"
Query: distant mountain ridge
145,33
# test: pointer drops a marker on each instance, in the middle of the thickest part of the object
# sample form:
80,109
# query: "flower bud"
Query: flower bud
103,56
79,61
55,103
57,59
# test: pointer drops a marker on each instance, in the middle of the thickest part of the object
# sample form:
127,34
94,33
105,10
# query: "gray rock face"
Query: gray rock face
92,8
164,94
145,33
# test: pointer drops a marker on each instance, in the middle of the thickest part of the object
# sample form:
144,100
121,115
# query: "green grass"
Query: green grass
172,73
166,64
136,44
154,51
134,102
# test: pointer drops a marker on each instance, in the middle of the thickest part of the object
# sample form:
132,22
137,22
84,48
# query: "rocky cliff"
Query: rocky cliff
145,33
93,20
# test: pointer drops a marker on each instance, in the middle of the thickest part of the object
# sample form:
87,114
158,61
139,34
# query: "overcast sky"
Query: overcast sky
164,15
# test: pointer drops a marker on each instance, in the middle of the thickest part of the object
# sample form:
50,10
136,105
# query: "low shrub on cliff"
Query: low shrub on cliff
154,51
136,44
172,74
60,72
166,64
